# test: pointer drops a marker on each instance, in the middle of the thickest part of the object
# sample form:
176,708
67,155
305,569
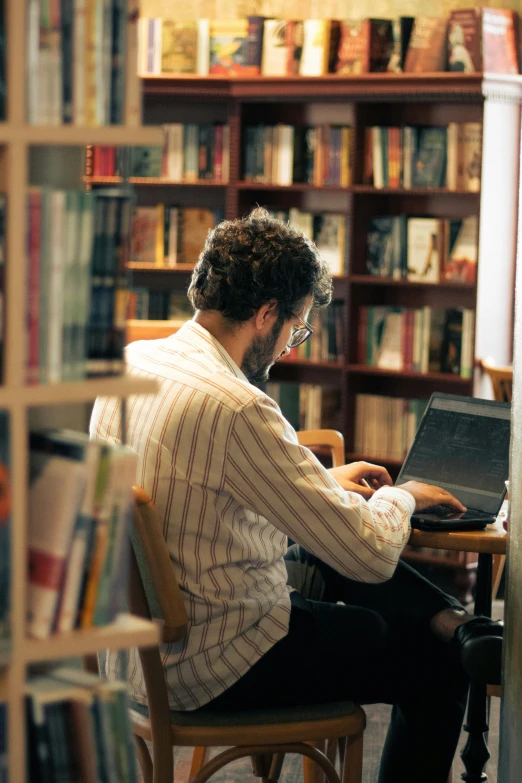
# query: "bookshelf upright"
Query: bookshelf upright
16,139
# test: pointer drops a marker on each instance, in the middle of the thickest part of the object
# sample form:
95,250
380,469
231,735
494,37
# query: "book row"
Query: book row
76,283
80,504
327,230
326,341
286,154
423,249
385,426
147,305
4,765
79,66
307,406
469,40
165,236
78,728
424,157
417,340
190,153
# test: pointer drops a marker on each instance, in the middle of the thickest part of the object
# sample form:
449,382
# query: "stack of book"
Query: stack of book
424,157
417,340
165,236
147,305
307,406
190,153
80,503
76,283
81,63
385,426
327,230
286,154
468,40
326,341
78,728
423,249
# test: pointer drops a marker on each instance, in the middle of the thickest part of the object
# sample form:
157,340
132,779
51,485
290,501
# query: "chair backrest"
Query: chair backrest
331,439
501,380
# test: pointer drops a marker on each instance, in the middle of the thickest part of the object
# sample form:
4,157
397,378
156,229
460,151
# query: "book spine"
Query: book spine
254,44
56,287
133,105
117,63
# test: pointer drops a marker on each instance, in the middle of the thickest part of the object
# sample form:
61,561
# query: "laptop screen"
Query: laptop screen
462,445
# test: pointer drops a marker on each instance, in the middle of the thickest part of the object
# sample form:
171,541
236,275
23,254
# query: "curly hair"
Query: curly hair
250,261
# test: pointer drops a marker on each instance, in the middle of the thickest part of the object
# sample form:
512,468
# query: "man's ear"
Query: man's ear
266,315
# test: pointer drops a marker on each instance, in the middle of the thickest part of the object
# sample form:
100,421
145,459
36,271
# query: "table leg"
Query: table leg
476,754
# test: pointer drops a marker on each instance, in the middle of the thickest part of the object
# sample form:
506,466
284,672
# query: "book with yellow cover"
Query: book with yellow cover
179,46
229,47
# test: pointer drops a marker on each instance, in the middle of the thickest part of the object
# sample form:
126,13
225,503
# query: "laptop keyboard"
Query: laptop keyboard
439,510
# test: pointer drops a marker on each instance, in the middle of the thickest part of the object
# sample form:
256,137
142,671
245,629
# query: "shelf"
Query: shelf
389,281
127,631
137,266
153,182
412,86
311,363
108,135
85,391
296,187
439,377
371,190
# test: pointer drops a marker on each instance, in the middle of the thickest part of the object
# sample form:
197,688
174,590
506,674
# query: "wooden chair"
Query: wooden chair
501,379
263,735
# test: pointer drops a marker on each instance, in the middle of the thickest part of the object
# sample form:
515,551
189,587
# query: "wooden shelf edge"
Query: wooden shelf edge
85,391
362,369
324,365
151,181
442,284
371,190
139,267
108,135
127,631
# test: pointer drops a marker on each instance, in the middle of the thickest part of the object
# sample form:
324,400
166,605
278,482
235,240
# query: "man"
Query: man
230,483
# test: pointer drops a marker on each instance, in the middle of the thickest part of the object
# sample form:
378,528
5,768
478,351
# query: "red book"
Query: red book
465,40
362,336
294,45
354,48
217,168
499,49
96,161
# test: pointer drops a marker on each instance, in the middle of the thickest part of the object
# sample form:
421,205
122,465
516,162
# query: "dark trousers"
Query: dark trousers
375,647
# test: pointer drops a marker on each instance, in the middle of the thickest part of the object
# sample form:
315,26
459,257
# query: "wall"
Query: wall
299,9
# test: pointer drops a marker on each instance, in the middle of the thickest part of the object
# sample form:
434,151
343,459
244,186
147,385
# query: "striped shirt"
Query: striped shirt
230,482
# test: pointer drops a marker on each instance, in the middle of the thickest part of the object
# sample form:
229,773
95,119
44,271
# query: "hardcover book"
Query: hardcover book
401,34
275,47
385,246
229,47
427,50
462,253
424,249
499,46
354,47
469,161
146,161
429,164
464,40
179,46
320,45
294,42
254,44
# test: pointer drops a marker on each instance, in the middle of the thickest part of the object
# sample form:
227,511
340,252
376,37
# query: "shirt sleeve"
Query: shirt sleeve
272,475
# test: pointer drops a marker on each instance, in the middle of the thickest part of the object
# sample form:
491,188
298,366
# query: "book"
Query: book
146,161
5,532
354,47
429,163
144,235
425,236
451,350
469,150
385,246
401,34
320,45
462,253
229,47
194,227
330,238
255,44
465,40
427,48
55,494
179,46
295,42
499,45
275,47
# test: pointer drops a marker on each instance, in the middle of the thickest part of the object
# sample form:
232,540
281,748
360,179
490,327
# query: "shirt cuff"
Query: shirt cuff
402,496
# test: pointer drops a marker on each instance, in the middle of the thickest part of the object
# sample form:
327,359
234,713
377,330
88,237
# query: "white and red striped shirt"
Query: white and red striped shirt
230,483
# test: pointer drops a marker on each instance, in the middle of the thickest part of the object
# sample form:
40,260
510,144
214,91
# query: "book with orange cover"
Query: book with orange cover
499,47
427,49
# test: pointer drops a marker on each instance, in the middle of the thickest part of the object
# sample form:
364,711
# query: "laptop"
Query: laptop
462,445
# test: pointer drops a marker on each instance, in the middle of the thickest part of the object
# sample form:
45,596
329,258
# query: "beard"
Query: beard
259,356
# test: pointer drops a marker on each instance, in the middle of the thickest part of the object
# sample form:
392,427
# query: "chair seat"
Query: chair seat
275,715
282,724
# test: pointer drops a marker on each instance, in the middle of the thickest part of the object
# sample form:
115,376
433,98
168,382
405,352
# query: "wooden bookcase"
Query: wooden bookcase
17,138
372,99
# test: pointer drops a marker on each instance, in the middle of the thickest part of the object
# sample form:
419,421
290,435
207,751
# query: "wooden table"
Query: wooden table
486,543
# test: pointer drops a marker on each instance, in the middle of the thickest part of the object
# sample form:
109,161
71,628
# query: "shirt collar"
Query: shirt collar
208,343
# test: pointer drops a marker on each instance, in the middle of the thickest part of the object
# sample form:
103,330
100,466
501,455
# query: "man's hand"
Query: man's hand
362,477
426,495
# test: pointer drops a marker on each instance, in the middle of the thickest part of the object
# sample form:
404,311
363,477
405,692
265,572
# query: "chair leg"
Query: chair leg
144,759
498,568
267,766
199,757
311,772
352,767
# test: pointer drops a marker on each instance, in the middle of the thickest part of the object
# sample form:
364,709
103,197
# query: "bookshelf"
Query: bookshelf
17,138
361,102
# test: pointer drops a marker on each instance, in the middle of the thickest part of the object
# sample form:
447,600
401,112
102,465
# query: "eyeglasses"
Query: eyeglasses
300,333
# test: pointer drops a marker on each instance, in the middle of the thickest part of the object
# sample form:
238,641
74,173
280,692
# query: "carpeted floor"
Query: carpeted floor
378,718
